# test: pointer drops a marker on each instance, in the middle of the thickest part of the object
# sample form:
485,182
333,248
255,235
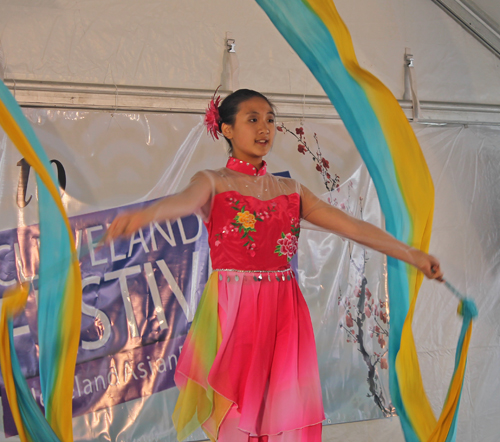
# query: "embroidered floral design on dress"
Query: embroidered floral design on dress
247,220
244,222
289,242
287,245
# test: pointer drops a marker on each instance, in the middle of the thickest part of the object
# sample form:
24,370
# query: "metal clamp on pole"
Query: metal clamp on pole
411,84
409,60
230,65
231,45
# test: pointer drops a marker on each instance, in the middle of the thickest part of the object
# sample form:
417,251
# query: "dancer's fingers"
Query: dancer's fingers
125,225
437,274
134,223
117,228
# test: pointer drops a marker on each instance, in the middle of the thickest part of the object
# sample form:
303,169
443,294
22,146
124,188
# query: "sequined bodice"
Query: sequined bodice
247,233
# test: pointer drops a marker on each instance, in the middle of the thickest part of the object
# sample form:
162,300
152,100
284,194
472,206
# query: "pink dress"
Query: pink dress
248,369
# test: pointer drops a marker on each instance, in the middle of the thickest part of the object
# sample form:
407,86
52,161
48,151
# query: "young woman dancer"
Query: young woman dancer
248,369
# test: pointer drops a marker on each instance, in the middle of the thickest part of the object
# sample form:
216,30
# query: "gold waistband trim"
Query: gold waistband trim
278,274
252,271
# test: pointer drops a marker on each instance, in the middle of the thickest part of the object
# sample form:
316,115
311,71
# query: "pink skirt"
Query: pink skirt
248,369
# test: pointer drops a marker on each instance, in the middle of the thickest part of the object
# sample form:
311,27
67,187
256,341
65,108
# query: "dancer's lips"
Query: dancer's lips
263,142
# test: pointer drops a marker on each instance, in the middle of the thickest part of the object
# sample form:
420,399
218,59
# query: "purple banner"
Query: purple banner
139,297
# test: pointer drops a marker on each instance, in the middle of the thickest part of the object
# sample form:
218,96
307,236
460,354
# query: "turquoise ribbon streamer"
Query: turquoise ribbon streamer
35,424
305,31
54,248
313,43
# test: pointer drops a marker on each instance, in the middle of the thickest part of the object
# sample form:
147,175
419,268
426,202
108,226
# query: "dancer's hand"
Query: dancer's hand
427,264
126,223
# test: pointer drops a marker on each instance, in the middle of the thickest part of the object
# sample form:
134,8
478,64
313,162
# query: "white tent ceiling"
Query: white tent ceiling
480,17
489,7
138,55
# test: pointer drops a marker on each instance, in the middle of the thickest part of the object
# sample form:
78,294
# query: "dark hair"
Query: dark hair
230,106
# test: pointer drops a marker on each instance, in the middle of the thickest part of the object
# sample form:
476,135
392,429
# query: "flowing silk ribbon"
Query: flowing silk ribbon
59,300
394,159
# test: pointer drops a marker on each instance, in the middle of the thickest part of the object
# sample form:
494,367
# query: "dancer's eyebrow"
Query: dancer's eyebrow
255,112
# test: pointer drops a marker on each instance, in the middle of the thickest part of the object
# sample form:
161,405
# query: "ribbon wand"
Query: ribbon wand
467,305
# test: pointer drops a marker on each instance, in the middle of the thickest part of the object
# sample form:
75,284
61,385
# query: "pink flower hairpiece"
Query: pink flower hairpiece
212,117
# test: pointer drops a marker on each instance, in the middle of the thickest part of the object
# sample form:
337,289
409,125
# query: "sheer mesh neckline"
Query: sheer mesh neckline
246,168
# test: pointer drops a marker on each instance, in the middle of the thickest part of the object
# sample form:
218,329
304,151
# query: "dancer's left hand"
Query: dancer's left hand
428,265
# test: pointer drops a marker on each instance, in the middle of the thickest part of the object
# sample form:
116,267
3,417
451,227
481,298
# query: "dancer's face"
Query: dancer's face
252,133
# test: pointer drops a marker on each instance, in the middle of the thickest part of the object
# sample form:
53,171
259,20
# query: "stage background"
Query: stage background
122,159
117,160
169,44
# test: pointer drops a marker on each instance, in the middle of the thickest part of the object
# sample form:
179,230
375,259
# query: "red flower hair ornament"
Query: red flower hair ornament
212,117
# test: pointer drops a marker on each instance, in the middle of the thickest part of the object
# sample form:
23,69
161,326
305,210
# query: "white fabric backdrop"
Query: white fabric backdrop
125,155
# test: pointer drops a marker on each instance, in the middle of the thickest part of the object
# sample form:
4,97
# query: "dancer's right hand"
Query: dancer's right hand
125,224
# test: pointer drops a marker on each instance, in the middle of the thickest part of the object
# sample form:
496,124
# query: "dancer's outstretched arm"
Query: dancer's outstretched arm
185,203
335,220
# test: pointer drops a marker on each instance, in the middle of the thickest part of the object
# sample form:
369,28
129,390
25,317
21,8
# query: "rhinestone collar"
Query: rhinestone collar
246,168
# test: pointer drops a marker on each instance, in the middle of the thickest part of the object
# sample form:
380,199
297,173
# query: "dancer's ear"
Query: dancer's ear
227,130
